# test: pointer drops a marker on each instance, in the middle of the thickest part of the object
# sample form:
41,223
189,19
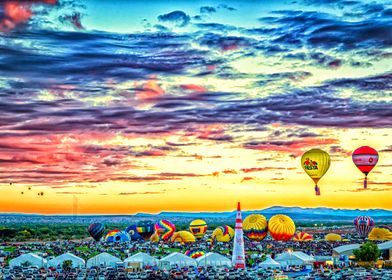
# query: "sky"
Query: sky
149,106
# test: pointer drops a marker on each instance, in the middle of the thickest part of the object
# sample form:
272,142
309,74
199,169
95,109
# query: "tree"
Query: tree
67,264
368,252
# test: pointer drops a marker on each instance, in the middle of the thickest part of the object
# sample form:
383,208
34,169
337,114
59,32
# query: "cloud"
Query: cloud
207,10
139,193
179,18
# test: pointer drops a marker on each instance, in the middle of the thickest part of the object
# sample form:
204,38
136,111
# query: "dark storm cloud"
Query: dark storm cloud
177,17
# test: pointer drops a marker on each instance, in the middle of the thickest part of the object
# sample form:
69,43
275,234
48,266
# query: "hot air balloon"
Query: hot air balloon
316,163
132,233
255,227
198,228
145,229
154,237
281,227
116,235
302,236
223,234
333,237
363,225
365,158
183,237
96,230
165,229
380,234
194,254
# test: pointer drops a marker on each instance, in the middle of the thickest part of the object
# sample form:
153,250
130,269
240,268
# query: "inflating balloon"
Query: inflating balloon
132,233
183,237
316,163
363,225
380,234
223,234
333,237
154,237
194,254
198,228
116,235
165,229
145,229
302,236
281,227
365,158
255,227
96,231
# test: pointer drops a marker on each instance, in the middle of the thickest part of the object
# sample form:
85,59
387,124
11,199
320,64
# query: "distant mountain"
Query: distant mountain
298,214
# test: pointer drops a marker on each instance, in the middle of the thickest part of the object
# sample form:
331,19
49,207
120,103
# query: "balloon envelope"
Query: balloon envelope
365,158
145,229
363,225
96,230
281,227
116,235
302,236
333,237
255,227
194,253
183,237
165,229
315,163
132,233
380,234
198,228
223,234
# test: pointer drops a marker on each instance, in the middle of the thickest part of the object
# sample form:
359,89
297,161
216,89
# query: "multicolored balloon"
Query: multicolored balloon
145,229
302,236
132,232
316,163
198,228
365,158
223,234
116,235
380,234
183,237
194,254
255,227
96,230
333,237
363,225
165,229
281,227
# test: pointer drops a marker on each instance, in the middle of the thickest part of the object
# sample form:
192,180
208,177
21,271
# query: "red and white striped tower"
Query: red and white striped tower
238,258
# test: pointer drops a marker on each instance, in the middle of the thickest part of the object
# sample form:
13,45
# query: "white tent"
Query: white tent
178,259
76,261
142,258
269,263
386,249
213,259
345,250
30,258
105,259
294,258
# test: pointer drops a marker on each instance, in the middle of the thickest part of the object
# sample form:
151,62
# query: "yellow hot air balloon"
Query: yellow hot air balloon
302,236
381,234
198,228
333,237
316,163
281,227
255,227
223,234
154,238
183,237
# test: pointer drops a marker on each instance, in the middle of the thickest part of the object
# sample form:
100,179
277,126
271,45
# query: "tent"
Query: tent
177,259
141,258
345,250
105,259
213,259
58,261
294,258
30,258
269,263
386,250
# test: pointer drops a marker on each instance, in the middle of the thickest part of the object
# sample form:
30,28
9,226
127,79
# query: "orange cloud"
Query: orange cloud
193,87
246,179
150,90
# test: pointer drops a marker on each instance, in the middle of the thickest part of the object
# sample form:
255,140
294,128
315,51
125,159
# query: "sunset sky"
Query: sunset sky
149,106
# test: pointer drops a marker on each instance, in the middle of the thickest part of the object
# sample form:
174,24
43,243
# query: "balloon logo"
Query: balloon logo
365,158
316,163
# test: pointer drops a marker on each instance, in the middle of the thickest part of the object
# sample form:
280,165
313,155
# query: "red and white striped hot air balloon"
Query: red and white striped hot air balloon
365,158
